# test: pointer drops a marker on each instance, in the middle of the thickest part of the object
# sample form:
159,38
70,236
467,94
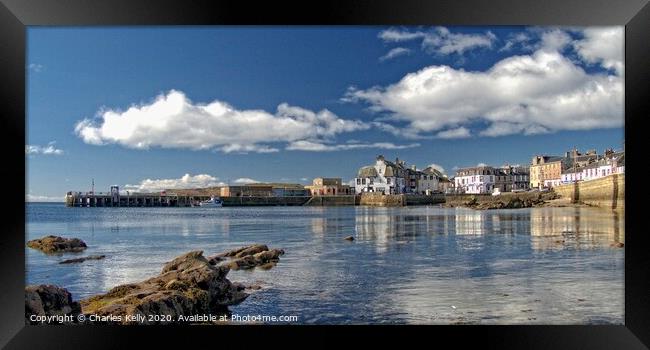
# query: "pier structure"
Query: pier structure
130,199
104,199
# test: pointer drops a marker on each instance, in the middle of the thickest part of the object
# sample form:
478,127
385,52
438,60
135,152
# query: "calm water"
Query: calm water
407,265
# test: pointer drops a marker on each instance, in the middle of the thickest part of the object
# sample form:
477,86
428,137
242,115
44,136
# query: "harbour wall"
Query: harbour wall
325,201
607,192
398,200
246,201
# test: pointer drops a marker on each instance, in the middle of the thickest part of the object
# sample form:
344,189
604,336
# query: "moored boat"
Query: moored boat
212,202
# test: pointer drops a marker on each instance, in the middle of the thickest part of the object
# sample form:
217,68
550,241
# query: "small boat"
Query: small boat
212,202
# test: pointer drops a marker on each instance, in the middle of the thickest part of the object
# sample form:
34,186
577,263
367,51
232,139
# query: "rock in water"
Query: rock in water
49,300
187,285
617,245
349,238
258,259
78,260
55,244
241,252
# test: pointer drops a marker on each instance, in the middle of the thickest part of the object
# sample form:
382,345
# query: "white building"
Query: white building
475,180
611,163
384,176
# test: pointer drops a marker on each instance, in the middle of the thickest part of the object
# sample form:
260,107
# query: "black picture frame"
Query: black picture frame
15,15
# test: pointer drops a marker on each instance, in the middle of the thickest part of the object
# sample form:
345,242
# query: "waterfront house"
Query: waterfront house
322,186
383,176
610,163
546,171
440,182
446,185
512,178
420,181
475,180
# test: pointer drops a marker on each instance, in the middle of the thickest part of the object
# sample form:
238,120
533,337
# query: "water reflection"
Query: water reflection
383,226
470,223
577,228
407,265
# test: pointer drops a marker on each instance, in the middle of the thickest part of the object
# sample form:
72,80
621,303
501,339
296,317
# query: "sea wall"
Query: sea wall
421,199
333,201
606,192
263,201
398,200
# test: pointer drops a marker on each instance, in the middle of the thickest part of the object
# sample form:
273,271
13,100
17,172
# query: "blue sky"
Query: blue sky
142,107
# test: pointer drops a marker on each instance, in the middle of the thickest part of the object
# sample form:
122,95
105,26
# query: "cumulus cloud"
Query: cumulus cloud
457,133
239,148
37,198
505,128
173,121
50,149
440,40
35,67
185,182
246,180
530,94
323,147
602,45
517,40
404,132
398,51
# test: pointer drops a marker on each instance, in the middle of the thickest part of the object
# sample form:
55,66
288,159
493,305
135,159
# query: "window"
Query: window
388,180
363,181
358,181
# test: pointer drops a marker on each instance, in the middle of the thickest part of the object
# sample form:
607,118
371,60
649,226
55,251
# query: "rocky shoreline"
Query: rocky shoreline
504,201
188,285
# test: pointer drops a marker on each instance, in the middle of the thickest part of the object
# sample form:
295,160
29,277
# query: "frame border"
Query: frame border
15,15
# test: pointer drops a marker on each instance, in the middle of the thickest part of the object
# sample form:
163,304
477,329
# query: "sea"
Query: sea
406,265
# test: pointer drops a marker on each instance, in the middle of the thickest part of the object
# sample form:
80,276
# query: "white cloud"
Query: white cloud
398,51
481,164
50,149
36,198
35,67
186,181
440,40
506,128
437,167
323,147
173,121
246,180
520,39
530,94
602,45
405,132
239,148
304,179
457,133
554,40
